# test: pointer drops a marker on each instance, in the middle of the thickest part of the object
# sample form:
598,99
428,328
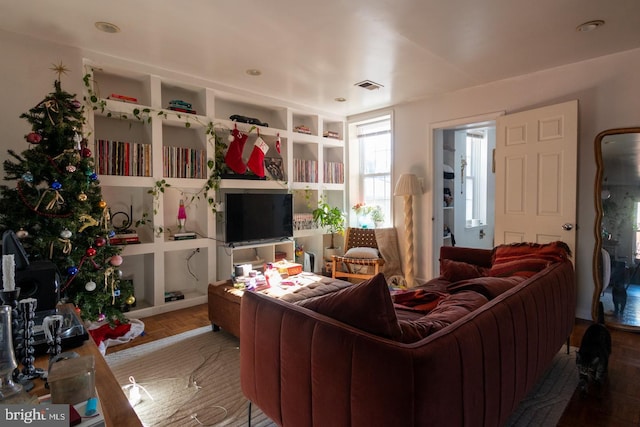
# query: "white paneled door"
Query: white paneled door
536,175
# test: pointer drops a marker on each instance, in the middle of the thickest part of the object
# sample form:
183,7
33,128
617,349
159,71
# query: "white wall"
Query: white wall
607,89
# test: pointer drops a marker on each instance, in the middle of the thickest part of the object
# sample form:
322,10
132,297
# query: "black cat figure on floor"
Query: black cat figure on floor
619,295
593,356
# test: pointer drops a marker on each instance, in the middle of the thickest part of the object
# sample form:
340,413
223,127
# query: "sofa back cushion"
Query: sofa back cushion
454,271
366,306
490,287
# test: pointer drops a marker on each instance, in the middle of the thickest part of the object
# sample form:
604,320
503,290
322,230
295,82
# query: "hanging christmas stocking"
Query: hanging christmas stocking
233,158
256,161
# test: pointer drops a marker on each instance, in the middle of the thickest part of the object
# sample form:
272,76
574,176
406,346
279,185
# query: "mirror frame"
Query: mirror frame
597,256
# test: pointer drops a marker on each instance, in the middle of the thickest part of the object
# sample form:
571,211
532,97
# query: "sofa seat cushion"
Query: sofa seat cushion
419,300
490,287
450,309
366,306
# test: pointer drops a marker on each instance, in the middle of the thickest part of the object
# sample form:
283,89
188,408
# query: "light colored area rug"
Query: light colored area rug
547,401
194,380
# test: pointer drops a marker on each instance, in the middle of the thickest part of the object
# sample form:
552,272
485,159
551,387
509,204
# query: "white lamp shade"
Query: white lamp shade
408,184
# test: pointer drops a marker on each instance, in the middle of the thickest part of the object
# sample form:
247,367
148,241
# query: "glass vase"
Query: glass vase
8,388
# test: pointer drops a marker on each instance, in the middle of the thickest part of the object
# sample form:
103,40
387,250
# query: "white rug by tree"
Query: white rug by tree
193,379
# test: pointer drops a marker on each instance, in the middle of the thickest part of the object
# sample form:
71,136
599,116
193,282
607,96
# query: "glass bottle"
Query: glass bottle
8,389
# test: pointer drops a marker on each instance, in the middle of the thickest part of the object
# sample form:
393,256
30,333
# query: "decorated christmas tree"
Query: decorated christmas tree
57,211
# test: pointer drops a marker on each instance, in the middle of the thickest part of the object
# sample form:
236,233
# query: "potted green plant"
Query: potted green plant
330,218
377,216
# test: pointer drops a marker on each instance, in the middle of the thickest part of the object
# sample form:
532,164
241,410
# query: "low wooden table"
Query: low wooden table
116,409
224,306
224,300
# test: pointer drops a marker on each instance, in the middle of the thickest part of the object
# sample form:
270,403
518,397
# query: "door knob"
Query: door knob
567,227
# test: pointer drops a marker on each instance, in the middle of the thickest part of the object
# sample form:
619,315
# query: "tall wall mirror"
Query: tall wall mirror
616,266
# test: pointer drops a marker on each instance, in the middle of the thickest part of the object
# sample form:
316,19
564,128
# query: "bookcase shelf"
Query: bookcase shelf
172,139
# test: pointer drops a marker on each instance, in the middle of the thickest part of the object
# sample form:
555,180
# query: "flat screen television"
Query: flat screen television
258,216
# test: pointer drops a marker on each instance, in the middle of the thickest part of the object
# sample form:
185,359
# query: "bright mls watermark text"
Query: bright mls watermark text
50,415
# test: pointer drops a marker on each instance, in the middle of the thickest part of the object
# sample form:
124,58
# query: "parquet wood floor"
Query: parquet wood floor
617,403
168,324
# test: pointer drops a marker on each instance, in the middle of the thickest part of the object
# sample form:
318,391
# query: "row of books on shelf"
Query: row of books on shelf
305,170
181,162
123,158
333,172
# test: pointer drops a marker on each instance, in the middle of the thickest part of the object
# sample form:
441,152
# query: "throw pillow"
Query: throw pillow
554,251
454,271
362,253
366,306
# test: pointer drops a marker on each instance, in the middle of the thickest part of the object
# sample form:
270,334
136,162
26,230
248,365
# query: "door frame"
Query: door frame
435,133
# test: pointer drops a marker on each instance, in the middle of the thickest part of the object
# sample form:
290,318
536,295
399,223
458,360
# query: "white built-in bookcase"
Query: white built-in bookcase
159,264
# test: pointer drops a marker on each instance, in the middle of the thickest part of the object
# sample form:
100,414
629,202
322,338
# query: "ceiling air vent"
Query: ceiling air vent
369,85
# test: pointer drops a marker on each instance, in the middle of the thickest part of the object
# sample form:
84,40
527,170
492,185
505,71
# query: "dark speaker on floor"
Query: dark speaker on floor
40,280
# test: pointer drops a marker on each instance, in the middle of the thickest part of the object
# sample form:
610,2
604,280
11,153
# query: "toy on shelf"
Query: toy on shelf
249,120
181,106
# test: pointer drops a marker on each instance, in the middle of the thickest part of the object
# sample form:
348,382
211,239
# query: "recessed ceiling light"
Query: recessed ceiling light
340,99
254,72
590,26
107,27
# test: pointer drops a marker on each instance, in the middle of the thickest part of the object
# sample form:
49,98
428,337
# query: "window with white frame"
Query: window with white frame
375,149
474,164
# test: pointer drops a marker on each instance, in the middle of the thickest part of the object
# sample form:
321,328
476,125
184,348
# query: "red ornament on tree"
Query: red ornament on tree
100,241
34,138
86,152
91,252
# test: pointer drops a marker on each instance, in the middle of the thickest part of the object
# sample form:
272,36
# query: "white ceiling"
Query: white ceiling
311,52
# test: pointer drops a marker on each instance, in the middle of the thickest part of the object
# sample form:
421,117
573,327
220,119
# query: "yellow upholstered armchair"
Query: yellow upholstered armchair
360,250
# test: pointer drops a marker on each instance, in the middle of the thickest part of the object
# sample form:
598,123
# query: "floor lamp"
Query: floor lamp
407,186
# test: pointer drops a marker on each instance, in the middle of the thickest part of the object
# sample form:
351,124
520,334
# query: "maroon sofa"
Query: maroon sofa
304,368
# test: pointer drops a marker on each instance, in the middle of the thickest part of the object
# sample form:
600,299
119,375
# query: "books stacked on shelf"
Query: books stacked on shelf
123,158
181,162
125,238
331,134
302,129
334,172
187,235
173,296
181,106
123,98
305,170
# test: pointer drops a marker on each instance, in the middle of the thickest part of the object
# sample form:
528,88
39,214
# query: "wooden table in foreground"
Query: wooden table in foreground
116,409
